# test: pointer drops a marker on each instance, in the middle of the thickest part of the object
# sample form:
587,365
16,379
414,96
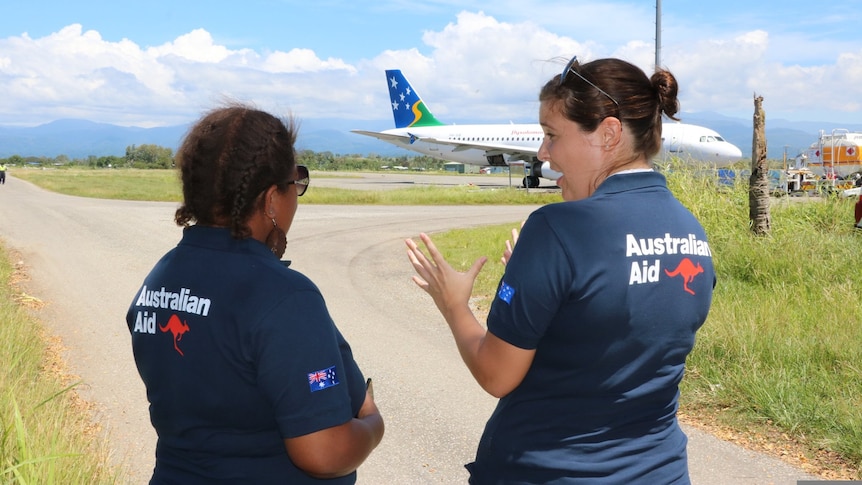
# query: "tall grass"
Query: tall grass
783,343
45,438
782,347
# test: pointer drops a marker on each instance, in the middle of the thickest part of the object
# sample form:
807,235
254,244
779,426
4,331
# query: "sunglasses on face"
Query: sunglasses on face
301,181
570,68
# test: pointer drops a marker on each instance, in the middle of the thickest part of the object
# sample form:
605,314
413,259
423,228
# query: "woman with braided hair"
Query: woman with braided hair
248,378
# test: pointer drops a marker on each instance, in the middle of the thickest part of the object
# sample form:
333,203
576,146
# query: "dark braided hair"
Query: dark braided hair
227,160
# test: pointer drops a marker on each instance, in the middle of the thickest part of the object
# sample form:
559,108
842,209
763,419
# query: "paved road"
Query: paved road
87,257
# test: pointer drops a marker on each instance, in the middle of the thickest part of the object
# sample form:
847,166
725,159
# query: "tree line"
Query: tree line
155,156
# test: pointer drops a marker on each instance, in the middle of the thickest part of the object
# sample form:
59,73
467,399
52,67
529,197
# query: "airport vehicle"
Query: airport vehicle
837,155
418,130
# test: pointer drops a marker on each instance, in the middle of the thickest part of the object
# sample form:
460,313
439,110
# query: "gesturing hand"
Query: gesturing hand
510,245
450,289
498,366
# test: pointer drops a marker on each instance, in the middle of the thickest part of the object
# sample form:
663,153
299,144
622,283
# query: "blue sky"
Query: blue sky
162,63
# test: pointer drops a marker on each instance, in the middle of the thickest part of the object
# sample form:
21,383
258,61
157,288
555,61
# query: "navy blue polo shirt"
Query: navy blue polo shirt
609,291
238,353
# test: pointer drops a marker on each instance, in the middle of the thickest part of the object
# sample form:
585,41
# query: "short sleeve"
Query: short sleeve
300,365
536,282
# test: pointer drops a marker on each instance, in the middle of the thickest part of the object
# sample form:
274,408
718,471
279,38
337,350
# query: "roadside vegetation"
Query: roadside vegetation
777,366
46,436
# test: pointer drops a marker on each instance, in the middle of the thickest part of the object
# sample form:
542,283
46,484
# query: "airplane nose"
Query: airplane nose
549,173
729,153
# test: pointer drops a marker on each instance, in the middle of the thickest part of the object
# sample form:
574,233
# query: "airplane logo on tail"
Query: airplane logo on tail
688,271
407,107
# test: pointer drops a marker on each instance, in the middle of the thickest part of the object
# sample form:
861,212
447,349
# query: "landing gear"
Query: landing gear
532,173
530,182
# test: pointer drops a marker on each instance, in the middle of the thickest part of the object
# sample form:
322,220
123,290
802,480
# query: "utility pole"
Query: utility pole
657,35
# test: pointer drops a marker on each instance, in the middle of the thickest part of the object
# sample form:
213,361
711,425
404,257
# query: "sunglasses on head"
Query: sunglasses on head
301,181
570,68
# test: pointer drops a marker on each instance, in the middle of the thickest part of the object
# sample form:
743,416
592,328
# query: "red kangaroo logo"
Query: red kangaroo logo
177,328
688,271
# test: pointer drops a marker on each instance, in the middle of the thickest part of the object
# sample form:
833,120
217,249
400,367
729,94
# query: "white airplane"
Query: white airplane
418,130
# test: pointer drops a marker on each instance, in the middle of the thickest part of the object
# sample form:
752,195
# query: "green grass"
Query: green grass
164,185
126,184
783,343
45,437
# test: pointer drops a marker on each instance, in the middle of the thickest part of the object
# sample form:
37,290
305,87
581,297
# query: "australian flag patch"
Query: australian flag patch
506,292
321,379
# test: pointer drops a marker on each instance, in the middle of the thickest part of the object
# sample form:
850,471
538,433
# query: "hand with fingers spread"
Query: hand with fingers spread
510,245
495,364
450,289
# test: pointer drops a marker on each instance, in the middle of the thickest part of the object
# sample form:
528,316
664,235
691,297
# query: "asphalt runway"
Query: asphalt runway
86,259
391,180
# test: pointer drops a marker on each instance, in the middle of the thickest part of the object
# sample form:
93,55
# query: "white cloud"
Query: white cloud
73,73
723,75
474,68
197,46
481,68
302,60
76,74
717,73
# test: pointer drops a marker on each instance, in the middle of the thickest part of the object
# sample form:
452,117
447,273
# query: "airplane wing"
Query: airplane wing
515,152
387,137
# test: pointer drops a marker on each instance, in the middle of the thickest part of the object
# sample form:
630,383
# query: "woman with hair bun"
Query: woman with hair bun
586,339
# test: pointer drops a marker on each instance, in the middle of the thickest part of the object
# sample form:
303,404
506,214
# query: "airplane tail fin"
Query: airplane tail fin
408,109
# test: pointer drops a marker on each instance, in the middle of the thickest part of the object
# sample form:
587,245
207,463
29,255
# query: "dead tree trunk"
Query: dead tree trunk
758,183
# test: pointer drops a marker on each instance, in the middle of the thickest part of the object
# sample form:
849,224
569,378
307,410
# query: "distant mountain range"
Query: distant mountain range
81,138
